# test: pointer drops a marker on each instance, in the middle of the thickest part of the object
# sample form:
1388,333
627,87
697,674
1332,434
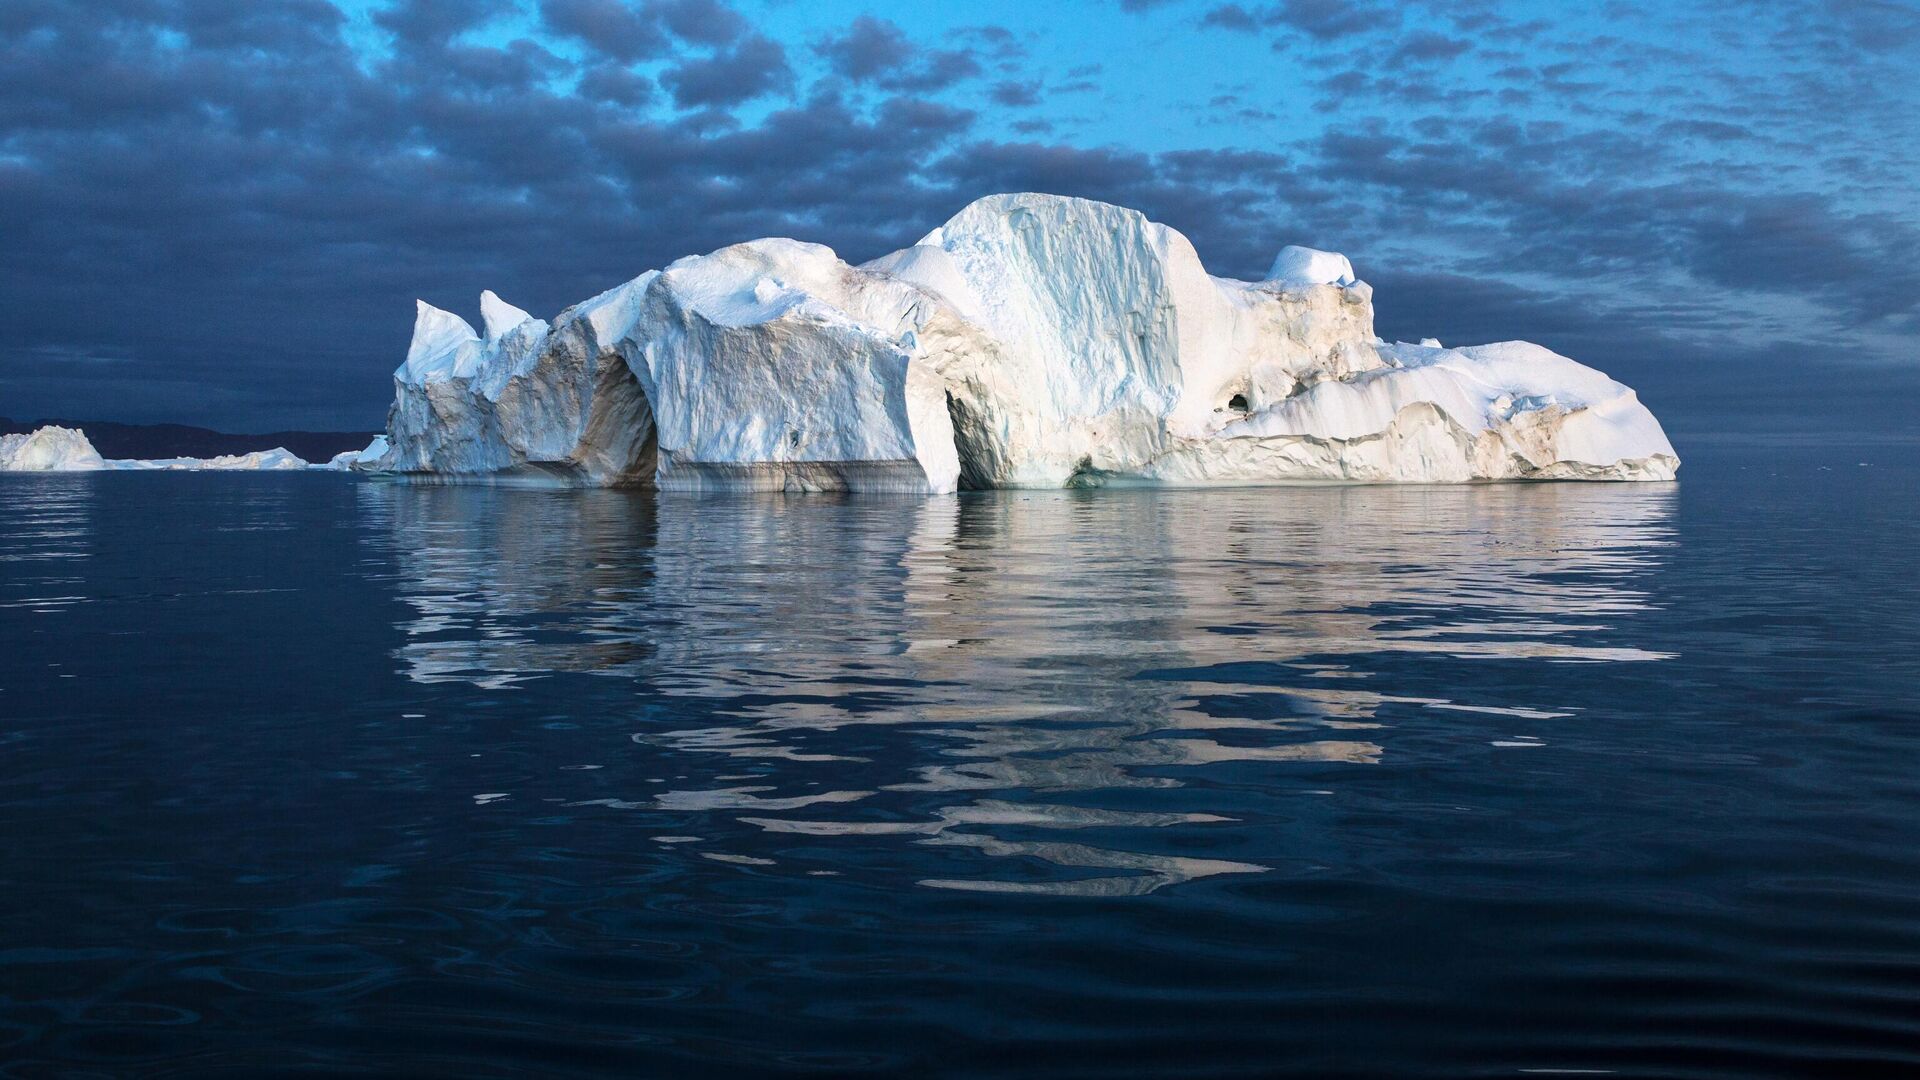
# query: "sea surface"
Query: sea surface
309,776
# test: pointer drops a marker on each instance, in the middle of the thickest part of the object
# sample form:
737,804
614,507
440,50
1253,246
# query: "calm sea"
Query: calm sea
307,776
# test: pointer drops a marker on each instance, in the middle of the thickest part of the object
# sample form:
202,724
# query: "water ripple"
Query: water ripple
1003,648
300,775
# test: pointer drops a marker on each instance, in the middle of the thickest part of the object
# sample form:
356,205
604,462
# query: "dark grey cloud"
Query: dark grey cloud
273,25
1426,45
617,85
873,50
870,47
703,22
221,212
427,22
630,31
1233,17
1540,182
1331,18
1323,20
753,67
1015,94
614,28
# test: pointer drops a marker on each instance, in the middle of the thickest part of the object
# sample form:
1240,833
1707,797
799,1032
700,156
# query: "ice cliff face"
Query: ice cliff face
1032,340
528,398
773,364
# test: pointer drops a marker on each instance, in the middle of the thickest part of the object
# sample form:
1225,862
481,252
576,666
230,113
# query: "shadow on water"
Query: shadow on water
1007,672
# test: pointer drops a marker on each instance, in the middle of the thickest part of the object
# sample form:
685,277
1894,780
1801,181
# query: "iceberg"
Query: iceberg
49,449
60,449
375,458
278,458
1030,341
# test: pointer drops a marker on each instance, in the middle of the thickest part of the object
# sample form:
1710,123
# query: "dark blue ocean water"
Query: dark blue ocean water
307,776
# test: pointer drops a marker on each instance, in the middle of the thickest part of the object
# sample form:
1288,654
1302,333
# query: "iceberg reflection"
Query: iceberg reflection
986,671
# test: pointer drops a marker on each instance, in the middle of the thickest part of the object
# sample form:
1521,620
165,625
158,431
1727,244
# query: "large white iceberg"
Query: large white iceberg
1032,340
60,449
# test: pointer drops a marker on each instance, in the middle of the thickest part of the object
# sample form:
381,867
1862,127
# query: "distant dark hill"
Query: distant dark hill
178,440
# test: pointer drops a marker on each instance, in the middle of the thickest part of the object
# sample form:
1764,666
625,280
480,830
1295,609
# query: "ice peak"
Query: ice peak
443,346
498,316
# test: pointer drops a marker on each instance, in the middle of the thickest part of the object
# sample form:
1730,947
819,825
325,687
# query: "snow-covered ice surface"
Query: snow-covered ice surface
59,449
1301,267
1032,340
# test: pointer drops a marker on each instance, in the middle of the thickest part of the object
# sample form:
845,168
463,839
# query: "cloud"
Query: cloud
268,25
1427,45
877,51
1233,17
1711,130
870,48
1015,94
1329,19
617,85
257,192
755,67
613,28
427,22
631,31
703,22
1319,20
997,42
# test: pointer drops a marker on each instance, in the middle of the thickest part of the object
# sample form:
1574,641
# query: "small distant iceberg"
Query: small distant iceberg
61,449
258,461
371,459
1030,341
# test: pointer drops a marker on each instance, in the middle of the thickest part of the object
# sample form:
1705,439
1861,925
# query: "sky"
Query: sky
220,212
